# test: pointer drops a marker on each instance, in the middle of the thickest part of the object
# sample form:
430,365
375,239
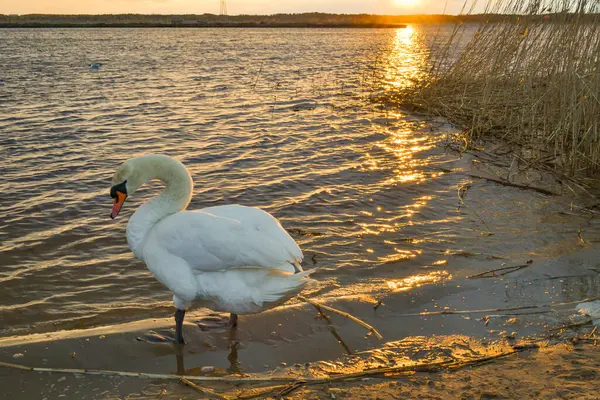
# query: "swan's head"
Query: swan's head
132,174
128,178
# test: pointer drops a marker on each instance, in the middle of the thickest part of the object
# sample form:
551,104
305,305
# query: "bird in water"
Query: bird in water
95,66
229,258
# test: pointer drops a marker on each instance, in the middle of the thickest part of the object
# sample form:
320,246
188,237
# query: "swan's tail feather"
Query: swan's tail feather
280,287
248,290
298,265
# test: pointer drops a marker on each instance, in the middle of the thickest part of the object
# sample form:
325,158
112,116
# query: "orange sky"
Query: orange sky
234,6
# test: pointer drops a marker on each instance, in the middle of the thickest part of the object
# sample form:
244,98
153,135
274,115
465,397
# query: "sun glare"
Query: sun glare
405,3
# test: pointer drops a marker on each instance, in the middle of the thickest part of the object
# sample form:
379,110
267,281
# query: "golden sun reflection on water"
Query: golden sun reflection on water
407,62
404,159
408,146
415,281
400,255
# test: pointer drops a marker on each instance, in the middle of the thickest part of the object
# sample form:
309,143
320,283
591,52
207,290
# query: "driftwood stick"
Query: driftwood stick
429,367
456,312
343,314
574,325
485,360
462,190
215,379
254,393
293,383
584,340
492,273
333,331
290,388
491,310
15,366
516,185
203,390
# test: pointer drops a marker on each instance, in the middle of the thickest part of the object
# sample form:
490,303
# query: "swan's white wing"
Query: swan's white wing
219,238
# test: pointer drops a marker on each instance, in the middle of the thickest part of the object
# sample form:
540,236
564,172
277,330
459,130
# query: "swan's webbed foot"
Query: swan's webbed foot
217,322
154,337
167,336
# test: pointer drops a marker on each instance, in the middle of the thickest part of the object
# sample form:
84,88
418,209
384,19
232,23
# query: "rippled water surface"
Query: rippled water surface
274,118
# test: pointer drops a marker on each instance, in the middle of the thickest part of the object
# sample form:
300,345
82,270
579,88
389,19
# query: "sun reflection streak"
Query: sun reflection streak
415,281
407,62
406,146
402,158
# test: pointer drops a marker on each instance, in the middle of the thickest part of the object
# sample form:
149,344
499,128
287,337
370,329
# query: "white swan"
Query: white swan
229,258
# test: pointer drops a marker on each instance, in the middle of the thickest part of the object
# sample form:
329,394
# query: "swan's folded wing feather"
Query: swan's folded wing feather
211,242
261,220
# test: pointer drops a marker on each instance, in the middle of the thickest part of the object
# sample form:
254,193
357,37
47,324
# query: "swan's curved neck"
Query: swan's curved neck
174,198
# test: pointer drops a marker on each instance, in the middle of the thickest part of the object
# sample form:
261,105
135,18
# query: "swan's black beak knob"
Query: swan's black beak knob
119,193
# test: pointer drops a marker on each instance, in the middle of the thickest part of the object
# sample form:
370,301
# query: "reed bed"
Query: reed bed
532,78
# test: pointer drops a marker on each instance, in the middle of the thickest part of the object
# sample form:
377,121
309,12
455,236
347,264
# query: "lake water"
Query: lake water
274,118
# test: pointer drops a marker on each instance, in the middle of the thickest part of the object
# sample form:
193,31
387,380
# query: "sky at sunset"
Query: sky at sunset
234,6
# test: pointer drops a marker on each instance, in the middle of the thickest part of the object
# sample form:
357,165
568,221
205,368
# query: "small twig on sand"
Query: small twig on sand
290,388
321,313
277,391
448,312
515,185
573,325
585,340
579,236
332,330
343,314
492,273
491,310
127,374
203,390
462,190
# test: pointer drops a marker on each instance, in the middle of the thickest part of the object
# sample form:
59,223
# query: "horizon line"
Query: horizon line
276,14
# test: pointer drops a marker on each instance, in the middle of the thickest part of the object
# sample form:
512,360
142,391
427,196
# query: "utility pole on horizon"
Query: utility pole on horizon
223,10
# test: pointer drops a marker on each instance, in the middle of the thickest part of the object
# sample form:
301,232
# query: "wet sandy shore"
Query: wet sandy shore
558,372
293,342
566,370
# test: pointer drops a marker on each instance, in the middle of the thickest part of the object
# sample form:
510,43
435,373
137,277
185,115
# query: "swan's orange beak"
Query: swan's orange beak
119,200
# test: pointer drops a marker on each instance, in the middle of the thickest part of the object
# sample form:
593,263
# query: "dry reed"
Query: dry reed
532,79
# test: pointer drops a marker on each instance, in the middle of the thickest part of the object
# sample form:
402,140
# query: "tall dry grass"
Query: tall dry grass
532,79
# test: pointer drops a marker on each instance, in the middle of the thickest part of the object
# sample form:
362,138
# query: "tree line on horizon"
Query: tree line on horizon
300,19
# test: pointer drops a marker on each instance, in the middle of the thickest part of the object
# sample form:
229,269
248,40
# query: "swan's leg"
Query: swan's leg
179,315
233,320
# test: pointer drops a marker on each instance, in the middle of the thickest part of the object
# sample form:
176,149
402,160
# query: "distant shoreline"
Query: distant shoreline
191,25
305,20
